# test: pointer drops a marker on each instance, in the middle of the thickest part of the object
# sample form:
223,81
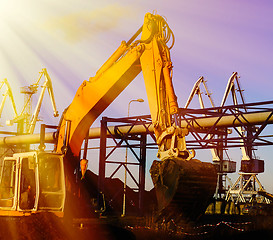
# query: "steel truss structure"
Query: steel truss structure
214,130
135,142
208,128
215,133
243,129
246,190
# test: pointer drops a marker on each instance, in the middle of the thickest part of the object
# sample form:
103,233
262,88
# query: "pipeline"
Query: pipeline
256,118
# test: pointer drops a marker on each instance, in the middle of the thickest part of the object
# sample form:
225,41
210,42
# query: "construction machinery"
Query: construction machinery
25,120
184,185
249,163
247,187
222,165
7,93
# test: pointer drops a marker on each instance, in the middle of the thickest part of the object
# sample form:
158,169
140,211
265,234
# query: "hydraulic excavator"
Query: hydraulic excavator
183,184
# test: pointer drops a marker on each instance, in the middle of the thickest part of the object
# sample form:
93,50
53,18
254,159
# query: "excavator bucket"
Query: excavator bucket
183,188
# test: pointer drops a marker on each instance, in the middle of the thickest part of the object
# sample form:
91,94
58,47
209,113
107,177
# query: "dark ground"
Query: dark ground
47,226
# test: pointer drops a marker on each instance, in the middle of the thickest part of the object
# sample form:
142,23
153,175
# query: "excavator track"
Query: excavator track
183,188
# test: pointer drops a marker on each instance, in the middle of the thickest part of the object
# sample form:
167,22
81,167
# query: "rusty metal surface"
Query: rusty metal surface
183,188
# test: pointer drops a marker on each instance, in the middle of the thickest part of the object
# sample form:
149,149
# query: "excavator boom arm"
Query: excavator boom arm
150,55
93,97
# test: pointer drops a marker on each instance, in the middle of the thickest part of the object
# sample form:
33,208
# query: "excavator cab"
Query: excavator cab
32,182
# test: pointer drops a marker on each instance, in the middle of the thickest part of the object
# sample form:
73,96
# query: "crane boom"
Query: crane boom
196,90
7,93
47,85
30,90
249,163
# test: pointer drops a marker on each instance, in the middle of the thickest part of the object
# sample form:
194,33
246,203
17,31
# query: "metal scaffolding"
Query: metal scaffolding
125,140
246,190
208,128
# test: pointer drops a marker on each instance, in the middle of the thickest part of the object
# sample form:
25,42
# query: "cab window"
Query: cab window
50,182
28,184
7,183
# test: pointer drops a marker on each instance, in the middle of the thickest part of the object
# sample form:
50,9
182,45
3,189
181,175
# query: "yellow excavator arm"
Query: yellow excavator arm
93,97
177,173
150,55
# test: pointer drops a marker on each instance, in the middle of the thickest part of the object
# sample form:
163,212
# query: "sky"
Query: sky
73,38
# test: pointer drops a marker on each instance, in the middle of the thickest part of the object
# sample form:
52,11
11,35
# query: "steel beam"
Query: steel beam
102,159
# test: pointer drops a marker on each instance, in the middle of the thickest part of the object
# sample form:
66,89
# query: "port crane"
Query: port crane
250,165
7,93
247,187
222,165
27,122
